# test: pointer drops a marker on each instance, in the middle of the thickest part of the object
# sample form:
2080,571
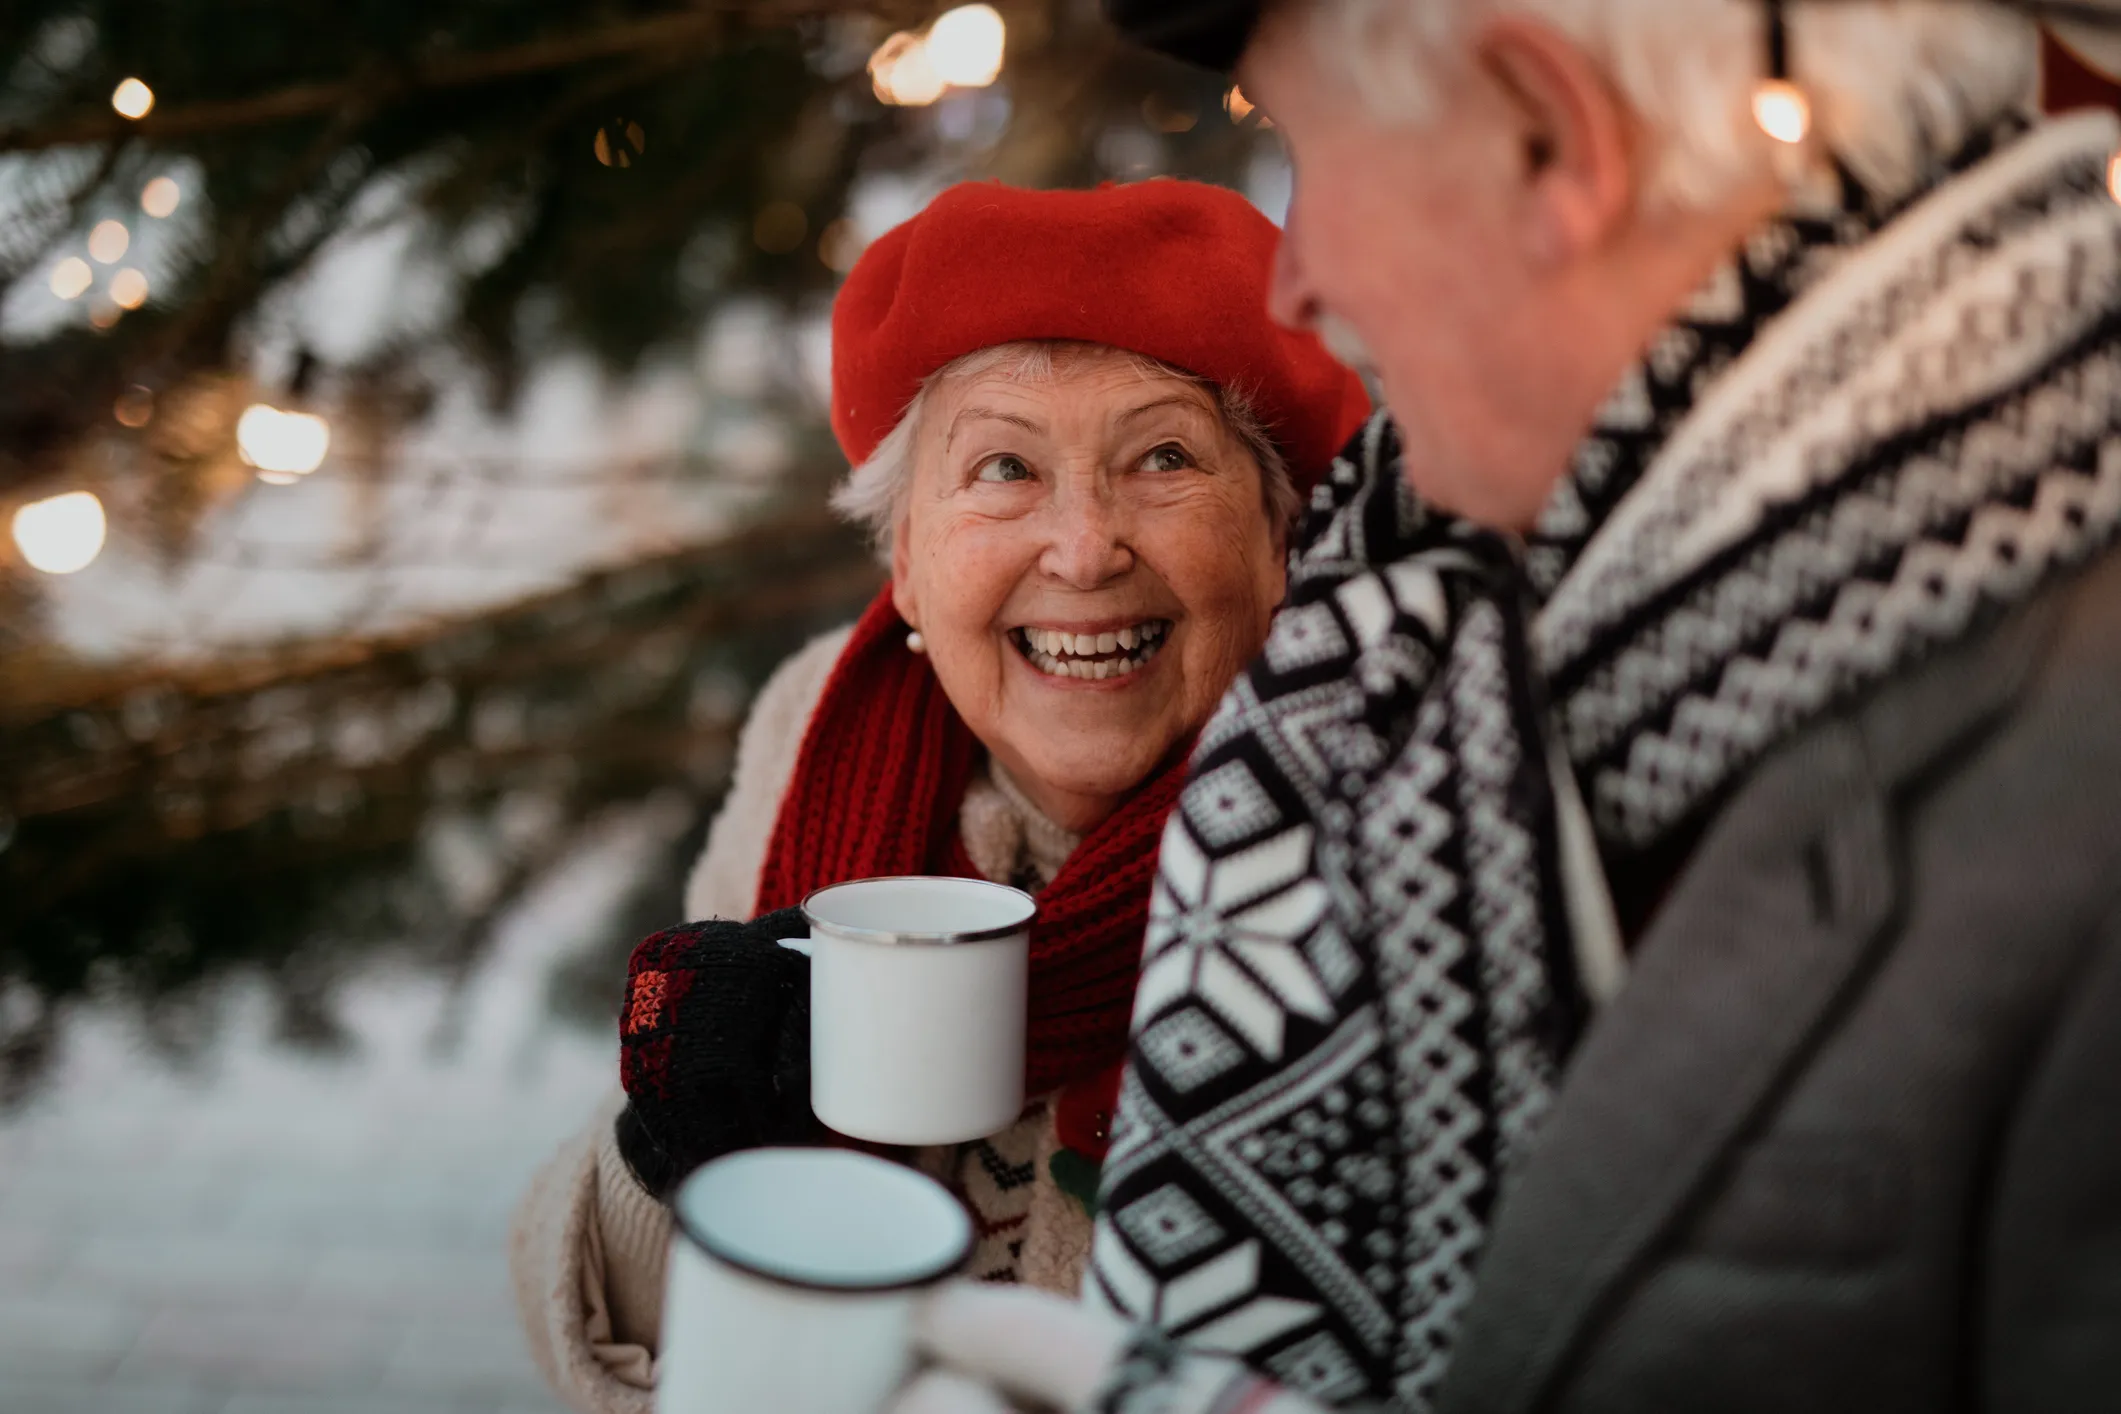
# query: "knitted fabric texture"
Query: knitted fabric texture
1174,270
1871,434
714,1046
876,792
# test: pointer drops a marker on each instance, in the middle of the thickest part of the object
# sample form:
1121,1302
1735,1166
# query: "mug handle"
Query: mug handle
801,945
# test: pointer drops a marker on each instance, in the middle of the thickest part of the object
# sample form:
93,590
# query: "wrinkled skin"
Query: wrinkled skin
1099,499
1496,267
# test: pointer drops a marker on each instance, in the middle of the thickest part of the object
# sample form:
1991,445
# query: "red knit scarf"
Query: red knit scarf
877,791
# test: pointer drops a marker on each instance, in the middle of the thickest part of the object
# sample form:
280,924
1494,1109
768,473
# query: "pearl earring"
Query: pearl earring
915,643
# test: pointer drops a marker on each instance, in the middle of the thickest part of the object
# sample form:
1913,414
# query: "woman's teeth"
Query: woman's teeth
1061,654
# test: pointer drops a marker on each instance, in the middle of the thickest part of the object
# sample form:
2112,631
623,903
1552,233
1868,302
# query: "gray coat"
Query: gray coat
1850,1139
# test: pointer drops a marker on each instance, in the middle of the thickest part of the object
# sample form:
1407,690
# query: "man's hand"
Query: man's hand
996,1349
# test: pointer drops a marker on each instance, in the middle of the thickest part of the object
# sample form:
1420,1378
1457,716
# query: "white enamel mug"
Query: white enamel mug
919,989
792,1278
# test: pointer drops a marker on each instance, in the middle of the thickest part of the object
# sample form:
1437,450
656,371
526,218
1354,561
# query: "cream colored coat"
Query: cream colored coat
587,1245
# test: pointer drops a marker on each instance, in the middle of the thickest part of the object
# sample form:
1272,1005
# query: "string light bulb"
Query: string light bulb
1782,111
61,534
283,446
1780,107
903,74
966,46
132,99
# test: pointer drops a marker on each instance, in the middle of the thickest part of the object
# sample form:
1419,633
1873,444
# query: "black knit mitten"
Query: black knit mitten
714,1046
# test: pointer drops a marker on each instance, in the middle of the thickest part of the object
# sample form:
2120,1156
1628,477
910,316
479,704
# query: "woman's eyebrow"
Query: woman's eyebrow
1172,400
980,414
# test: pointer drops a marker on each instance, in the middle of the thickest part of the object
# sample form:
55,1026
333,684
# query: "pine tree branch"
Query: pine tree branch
686,31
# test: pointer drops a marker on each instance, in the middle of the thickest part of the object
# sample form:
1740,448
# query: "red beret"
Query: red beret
1174,270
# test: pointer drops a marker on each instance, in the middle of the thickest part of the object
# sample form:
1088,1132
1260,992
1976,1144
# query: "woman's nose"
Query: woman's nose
1090,544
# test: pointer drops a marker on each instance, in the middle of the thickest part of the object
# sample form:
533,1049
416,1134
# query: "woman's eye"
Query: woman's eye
1169,457
1004,468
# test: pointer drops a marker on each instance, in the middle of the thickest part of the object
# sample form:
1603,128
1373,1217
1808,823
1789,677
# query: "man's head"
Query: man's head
1499,202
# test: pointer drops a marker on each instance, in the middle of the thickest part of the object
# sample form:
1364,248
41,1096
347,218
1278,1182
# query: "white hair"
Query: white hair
1894,84
874,493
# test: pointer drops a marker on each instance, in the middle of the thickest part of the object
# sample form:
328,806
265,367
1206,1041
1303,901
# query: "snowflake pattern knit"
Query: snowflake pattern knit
1871,435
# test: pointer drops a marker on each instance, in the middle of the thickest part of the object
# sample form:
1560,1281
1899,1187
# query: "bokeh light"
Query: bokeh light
966,46
61,534
71,278
135,407
159,197
1782,111
128,288
133,99
108,242
902,73
621,144
282,445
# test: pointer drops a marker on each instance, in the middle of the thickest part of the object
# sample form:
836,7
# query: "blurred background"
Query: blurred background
412,458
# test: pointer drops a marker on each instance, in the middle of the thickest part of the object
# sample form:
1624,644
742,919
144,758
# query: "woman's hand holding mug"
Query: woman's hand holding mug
714,1047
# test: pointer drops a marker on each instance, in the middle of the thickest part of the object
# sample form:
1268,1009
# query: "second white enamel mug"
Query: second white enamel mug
919,991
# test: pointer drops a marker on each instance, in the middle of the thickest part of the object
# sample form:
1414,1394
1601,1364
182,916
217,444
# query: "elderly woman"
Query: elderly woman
1079,443
1701,986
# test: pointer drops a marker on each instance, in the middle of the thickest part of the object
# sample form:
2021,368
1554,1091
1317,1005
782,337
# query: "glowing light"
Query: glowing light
128,288
71,278
903,74
965,46
135,407
1237,105
133,99
281,444
2113,177
160,197
108,243
61,534
104,315
620,144
1782,111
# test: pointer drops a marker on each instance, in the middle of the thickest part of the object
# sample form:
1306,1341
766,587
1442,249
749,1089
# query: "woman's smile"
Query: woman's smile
1111,654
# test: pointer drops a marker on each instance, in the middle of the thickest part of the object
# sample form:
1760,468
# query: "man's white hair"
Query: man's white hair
874,493
1894,84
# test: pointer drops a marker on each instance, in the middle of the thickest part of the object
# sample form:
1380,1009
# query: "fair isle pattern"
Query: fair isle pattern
1778,263
1350,1016
1358,986
995,1178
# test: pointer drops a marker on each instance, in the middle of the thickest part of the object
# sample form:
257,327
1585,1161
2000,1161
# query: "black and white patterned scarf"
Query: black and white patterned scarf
1868,436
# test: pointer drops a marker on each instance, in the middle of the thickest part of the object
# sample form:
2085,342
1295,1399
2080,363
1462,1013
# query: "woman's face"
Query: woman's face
1090,561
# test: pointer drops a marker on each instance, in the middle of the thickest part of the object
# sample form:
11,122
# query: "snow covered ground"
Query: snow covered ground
271,1230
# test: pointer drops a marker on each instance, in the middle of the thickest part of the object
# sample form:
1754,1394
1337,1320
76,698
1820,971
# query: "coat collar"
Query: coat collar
1773,924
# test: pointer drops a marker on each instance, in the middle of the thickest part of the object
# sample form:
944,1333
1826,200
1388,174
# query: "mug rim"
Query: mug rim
887,935
927,1275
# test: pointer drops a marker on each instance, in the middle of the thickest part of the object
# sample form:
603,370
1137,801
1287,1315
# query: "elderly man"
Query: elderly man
1646,935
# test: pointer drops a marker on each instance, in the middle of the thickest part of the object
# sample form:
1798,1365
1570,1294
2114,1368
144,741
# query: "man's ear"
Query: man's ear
1579,163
